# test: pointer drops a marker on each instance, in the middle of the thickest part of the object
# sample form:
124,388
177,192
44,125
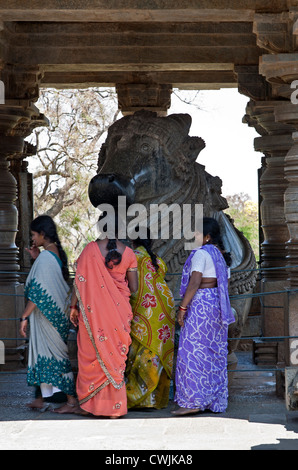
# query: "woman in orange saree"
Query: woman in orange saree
105,276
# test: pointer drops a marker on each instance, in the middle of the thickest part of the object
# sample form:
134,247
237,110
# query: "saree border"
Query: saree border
99,359
95,392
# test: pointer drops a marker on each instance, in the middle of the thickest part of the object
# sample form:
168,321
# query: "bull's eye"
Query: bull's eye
145,147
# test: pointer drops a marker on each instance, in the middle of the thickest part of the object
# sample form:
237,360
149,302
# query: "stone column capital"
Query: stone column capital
251,83
261,115
21,82
150,96
279,68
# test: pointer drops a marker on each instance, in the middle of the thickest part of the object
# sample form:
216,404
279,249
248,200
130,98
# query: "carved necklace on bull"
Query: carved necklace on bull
191,196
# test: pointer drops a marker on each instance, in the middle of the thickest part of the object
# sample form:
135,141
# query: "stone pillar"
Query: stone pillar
24,204
274,143
18,116
289,113
277,34
11,290
282,70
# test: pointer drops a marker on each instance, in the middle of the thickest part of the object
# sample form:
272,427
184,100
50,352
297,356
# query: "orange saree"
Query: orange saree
104,331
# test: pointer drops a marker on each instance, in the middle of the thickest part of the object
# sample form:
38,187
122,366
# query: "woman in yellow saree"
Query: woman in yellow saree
150,358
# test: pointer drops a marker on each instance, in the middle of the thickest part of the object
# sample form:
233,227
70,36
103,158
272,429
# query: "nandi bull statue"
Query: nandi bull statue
152,160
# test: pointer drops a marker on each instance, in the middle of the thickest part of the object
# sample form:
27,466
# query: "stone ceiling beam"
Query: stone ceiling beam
204,53
133,31
202,80
137,10
134,58
133,45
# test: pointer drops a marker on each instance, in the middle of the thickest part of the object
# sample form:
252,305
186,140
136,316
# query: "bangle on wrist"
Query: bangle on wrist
23,319
74,307
182,308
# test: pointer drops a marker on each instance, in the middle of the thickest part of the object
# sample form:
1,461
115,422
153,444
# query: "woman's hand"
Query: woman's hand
180,317
74,316
23,328
33,251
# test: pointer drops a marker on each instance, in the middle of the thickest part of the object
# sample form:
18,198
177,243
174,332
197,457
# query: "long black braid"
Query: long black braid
147,244
45,224
63,258
113,257
211,227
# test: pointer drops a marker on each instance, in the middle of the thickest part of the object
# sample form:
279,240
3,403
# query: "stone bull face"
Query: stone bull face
138,159
136,167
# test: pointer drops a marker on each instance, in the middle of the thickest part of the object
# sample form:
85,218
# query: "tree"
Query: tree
244,212
66,159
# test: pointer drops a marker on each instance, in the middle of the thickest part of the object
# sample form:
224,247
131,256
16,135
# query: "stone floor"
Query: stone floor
256,419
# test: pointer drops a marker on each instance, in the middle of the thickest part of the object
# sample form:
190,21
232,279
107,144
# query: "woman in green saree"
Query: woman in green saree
47,310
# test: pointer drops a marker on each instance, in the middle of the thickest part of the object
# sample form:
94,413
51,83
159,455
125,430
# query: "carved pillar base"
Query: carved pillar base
11,304
291,378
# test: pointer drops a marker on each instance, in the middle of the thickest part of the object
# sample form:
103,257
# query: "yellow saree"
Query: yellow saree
150,358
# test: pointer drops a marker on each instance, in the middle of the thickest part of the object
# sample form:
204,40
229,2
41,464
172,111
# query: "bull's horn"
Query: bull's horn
183,120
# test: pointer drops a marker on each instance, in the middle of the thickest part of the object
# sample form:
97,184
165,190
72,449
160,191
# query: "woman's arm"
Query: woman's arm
193,286
74,299
24,318
74,313
132,279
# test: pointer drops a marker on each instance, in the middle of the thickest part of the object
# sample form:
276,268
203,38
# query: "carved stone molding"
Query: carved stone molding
280,68
274,32
251,83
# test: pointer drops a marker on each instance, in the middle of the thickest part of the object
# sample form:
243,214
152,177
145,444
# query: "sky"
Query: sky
229,151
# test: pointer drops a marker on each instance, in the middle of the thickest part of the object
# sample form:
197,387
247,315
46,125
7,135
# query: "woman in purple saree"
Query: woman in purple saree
204,316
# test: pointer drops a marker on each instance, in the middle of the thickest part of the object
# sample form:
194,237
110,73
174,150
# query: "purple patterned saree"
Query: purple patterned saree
201,370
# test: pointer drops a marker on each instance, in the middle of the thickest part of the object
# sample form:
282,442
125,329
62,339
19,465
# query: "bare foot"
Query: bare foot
67,408
185,411
82,412
38,404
